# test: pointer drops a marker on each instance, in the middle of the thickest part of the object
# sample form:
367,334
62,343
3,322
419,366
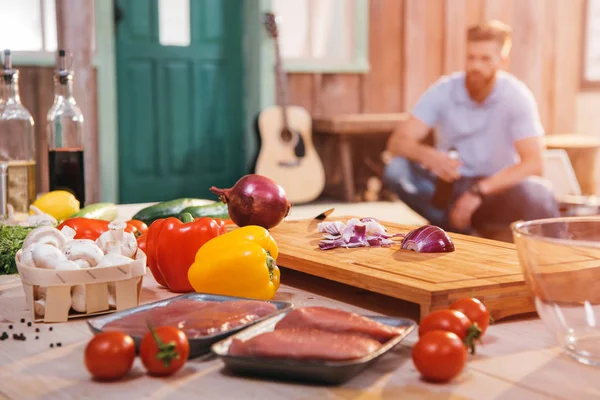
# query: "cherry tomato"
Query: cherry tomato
451,321
109,355
136,227
141,242
164,350
439,356
474,310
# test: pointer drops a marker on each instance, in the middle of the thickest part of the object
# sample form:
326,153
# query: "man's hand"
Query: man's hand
463,209
441,164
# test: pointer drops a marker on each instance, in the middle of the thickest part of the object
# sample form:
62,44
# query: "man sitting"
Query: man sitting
491,119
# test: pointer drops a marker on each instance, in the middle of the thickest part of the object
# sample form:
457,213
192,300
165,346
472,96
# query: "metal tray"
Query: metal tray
198,346
327,372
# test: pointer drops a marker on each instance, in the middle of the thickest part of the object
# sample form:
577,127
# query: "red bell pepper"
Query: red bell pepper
87,228
172,246
141,242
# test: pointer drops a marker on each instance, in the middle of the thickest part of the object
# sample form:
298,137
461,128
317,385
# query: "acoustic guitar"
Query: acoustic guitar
287,154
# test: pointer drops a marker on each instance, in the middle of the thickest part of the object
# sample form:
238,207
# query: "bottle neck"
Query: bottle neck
64,90
9,90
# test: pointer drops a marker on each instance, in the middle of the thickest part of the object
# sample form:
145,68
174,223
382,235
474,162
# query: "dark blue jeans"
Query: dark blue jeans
415,186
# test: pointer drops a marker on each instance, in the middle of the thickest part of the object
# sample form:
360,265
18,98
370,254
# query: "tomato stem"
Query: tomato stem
166,351
473,334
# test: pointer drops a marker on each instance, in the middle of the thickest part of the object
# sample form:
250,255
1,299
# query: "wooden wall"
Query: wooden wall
413,42
36,87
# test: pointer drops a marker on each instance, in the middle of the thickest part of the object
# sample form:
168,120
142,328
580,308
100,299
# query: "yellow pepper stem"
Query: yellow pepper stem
271,263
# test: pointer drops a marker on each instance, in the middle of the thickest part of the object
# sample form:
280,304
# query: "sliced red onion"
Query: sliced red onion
428,239
368,219
365,232
331,227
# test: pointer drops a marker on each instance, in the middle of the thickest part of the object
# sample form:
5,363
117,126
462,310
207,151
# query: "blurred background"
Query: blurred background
170,89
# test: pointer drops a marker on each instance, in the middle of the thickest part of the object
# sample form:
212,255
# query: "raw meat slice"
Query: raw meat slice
305,344
333,320
195,318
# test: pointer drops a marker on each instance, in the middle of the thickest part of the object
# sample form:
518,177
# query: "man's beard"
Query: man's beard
476,82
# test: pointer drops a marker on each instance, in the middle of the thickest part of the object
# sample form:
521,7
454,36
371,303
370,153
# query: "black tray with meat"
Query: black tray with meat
314,344
204,318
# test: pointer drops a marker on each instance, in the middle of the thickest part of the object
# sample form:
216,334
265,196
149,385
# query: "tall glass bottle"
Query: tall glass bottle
17,141
65,135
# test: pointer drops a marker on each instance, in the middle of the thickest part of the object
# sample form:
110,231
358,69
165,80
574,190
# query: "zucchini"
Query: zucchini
215,210
105,211
171,208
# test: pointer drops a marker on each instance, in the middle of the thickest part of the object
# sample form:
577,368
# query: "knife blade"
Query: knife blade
315,221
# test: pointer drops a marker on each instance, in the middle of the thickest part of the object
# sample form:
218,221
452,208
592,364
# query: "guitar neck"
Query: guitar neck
282,97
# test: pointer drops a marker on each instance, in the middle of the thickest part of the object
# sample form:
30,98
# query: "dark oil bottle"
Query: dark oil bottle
65,136
66,172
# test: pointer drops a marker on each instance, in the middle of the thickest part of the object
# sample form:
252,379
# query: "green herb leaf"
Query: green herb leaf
11,240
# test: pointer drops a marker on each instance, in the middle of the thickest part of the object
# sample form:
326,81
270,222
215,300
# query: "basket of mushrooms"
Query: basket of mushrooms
67,278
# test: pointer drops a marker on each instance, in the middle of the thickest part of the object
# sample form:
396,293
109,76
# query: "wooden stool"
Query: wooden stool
346,126
582,151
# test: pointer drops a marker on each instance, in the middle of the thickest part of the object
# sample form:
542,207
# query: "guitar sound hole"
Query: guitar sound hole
286,135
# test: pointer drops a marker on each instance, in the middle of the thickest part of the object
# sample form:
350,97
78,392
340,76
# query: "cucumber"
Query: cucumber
166,209
215,210
105,211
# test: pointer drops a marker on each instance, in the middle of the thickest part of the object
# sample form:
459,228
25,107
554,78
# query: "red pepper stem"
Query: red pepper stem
166,351
186,218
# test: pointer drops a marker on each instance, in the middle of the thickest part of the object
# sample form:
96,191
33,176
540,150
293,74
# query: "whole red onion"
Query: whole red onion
255,200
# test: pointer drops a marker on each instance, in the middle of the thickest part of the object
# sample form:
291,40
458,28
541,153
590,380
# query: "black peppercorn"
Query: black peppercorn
29,323
58,344
50,328
51,344
10,327
22,320
15,336
37,329
37,337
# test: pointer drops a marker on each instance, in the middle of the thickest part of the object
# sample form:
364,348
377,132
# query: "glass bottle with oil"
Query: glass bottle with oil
65,135
17,141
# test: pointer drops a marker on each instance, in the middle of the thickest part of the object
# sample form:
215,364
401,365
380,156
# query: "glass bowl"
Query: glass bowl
560,258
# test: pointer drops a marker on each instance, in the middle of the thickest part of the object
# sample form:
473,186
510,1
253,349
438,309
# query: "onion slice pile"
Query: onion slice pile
428,239
365,232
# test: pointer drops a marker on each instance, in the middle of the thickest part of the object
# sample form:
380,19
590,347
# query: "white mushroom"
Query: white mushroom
45,235
39,305
47,256
26,256
84,252
116,233
114,257
39,218
68,232
78,298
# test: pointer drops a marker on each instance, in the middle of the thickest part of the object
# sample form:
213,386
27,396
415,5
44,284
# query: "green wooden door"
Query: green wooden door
180,108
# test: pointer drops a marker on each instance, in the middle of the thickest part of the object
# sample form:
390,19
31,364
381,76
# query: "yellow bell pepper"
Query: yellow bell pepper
239,263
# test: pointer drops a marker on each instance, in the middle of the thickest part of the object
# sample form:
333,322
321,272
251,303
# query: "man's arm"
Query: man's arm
406,140
531,152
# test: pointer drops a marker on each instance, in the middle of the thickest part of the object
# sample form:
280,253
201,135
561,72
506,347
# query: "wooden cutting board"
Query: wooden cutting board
486,269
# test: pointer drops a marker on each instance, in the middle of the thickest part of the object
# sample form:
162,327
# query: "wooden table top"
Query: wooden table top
571,141
518,359
358,124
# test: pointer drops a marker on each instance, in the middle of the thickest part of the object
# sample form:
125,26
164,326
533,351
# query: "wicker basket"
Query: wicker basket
127,279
